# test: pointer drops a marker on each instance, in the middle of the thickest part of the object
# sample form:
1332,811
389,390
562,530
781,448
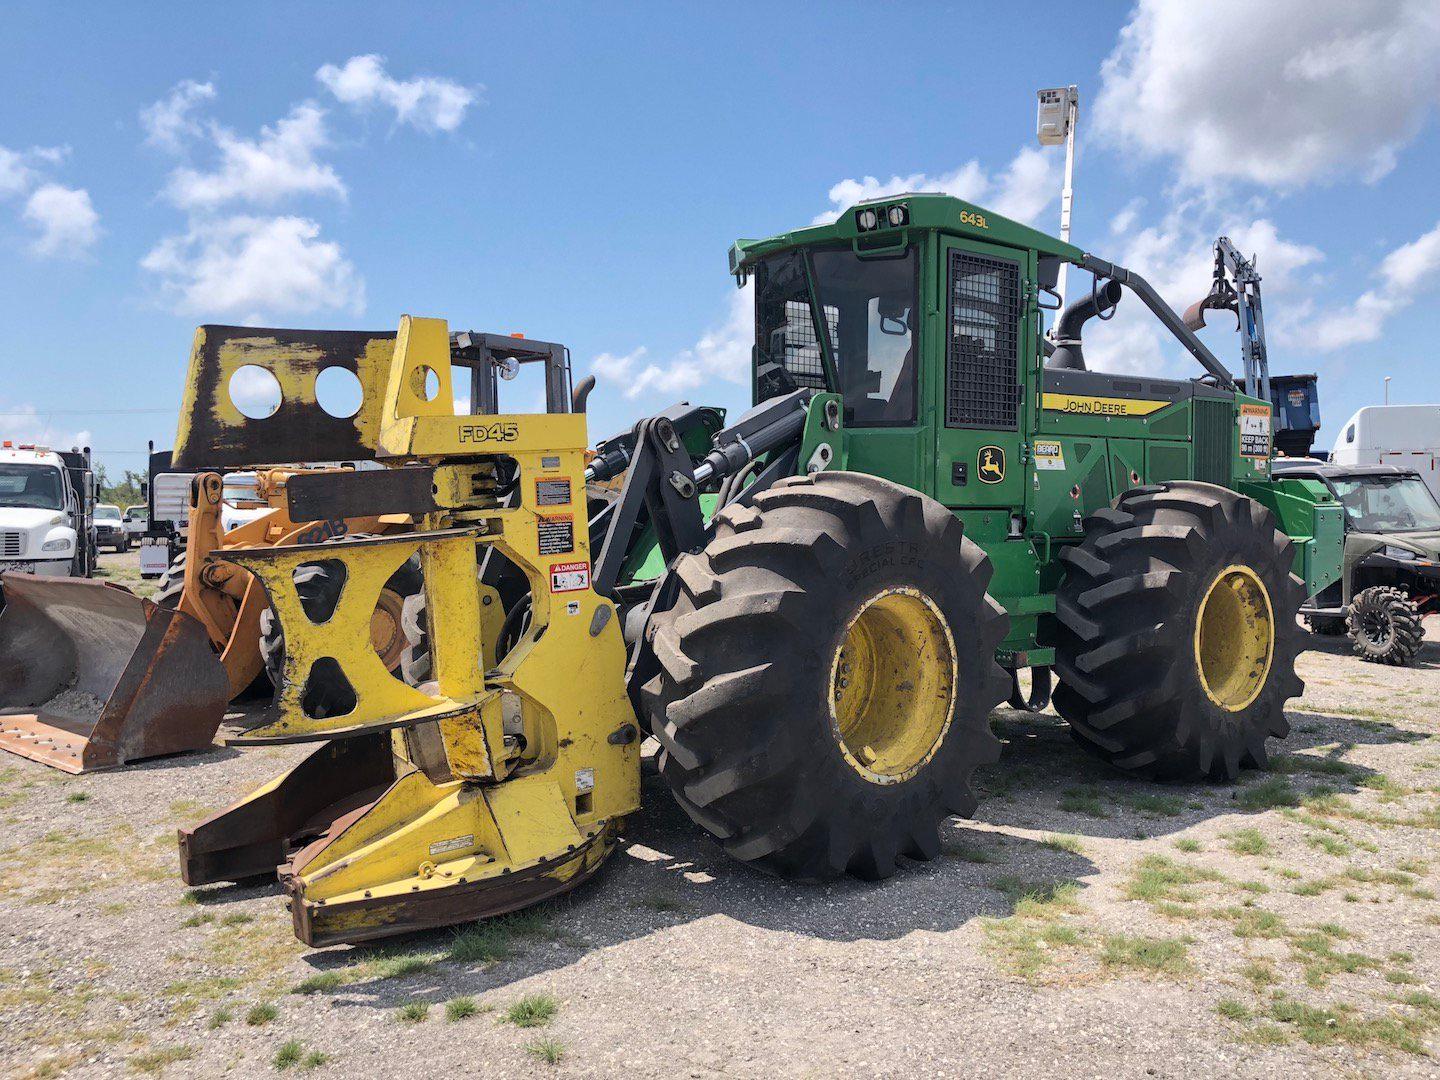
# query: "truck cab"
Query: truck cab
45,511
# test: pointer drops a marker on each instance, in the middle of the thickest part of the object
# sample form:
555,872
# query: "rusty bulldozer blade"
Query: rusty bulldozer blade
93,676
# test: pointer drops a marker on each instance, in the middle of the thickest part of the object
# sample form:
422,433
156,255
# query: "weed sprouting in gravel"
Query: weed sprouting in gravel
1158,805
78,797
154,1061
532,1010
1084,800
1232,1009
414,1012
1248,842
220,1017
1188,844
549,1051
321,982
262,1014
1156,877
290,1053
1165,955
1268,795
460,1008
1254,922
1064,842
966,853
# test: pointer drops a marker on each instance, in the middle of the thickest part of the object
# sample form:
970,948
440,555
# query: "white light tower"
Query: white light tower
1055,118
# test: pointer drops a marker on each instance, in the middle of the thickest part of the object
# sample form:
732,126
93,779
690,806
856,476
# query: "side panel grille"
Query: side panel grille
1214,430
982,360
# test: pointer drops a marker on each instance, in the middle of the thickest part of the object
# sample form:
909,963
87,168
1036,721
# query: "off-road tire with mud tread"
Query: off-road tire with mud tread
1384,625
1126,611
319,589
741,704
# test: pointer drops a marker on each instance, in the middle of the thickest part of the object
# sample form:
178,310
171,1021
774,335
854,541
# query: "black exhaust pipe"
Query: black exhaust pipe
1067,353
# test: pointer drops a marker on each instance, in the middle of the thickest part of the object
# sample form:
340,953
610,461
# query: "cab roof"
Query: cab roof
910,211
1281,467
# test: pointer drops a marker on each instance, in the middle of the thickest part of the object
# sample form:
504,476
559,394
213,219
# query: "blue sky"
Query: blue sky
577,172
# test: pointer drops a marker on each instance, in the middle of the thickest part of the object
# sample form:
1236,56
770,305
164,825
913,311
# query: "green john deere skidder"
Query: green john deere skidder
813,610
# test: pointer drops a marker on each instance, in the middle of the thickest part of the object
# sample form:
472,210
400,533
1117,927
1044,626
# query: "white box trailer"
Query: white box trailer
1406,436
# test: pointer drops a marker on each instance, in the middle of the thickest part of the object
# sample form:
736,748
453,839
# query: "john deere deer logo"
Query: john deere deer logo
991,465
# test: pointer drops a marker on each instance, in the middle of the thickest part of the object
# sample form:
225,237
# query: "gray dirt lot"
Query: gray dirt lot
1084,924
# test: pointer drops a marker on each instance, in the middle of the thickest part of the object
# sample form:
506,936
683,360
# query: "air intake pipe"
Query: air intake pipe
1067,353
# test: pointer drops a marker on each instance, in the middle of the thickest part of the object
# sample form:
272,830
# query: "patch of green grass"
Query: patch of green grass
1159,805
532,1010
1167,955
78,797
1400,978
290,1053
967,853
239,918
1248,842
400,965
1266,1035
1232,1009
1084,800
414,1012
460,1008
262,1014
198,919
1389,790
1188,844
1331,845
1309,763
1401,958
314,1059
1254,922
1268,795
1320,1026
220,1017
549,1051
1260,974
1321,959
153,1061
1064,842
319,983
1257,887
1413,866
482,943
1156,877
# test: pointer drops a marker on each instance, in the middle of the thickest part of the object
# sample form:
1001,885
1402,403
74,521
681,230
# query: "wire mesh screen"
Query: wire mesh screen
982,364
801,355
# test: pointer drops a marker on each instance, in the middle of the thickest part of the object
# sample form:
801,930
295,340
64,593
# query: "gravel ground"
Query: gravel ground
1084,924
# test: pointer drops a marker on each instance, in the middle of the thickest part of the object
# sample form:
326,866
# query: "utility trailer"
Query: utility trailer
812,608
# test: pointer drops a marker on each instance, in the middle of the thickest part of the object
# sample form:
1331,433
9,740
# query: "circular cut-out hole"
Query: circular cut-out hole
339,392
424,382
255,392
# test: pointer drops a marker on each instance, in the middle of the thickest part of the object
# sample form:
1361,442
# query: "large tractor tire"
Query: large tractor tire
1385,626
1178,633
826,677
318,586
172,585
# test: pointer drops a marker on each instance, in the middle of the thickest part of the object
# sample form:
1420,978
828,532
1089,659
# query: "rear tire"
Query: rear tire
835,605
172,585
1178,633
1326,625
1385,627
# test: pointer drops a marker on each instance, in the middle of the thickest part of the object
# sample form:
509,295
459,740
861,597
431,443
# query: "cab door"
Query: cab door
980,377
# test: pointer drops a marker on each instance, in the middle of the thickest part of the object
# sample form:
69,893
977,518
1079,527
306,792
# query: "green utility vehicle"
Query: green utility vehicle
1391,577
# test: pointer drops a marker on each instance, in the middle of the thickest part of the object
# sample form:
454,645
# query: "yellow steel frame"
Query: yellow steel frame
541,750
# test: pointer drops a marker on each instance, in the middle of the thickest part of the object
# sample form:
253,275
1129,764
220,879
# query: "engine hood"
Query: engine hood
28,518
1425,544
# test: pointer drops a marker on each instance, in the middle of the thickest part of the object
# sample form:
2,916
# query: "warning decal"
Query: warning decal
1049,455
569,576
1255,431
556,535
552,492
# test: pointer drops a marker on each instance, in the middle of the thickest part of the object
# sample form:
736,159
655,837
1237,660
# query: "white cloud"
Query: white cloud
1176,256
1404,273
255,267
65,218
1023,190
723,352
1278,93
169,122
21,169
425,102
23,423
280,163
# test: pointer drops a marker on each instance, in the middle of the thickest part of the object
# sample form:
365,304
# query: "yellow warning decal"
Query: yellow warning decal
1100,406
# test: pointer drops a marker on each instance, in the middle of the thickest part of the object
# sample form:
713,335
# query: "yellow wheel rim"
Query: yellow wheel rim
1234,638
892,685
386,634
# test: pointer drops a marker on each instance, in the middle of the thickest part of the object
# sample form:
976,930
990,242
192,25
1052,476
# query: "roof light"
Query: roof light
867,219
7,444
898,216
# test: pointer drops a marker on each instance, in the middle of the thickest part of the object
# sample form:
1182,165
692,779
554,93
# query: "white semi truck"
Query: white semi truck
47,506
1406,436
